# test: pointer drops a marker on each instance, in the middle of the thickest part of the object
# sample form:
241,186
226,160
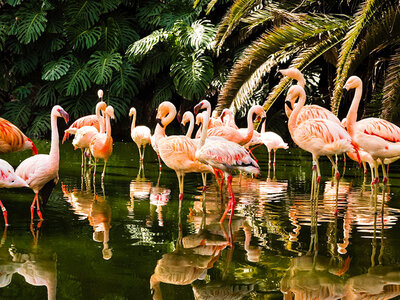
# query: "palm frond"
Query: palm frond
200,34
76,81
150,14
391,89
14,2
124,83
140,48
192,74
127,33
238,10
102,64
363,17
154,64
17,112
23,91
109,5
31,23
120,105
57,44
55,69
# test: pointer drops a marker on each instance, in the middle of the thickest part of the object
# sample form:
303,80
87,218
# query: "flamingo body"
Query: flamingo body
8,178
273,141
83,136
141,135
90,120
12,139
101,146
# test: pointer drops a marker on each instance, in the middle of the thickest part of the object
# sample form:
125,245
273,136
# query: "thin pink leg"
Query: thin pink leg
231,203
33,205
3,208
39,213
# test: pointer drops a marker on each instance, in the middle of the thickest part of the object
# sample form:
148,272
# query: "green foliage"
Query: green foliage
78,106
124,82
77,80
17,112
192,74
54,70
22,92
84,38
47,95
31,23
25,64
40,124
83,12
101,66
140,48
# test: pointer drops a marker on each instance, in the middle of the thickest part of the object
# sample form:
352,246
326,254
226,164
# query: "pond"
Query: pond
128,240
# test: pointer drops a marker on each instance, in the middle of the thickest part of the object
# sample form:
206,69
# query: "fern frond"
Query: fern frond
40,124
55,69
192,74
31,24
140,48
76,81
102,64
17,112
124,82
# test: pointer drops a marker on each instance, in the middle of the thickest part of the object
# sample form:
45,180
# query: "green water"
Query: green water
277,242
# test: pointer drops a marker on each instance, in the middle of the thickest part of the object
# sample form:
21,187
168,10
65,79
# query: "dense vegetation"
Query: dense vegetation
142,53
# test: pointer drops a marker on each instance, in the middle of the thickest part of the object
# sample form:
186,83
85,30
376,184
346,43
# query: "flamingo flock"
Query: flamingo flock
219,146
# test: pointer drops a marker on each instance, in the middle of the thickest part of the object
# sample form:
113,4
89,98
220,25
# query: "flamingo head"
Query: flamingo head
186,118
132,112
9,179
101,106
344,122
100,94
259,111
202,105
293,93
110,112
199,119
166,112
352,83
58,111
225,112
30,145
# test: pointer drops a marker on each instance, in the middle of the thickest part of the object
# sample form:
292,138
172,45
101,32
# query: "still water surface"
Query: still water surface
128,240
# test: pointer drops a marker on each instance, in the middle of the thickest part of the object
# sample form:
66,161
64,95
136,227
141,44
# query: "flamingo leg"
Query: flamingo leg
39,213
95,167
159,161
385,180
33,205
83,158
231,203
337,175
344,163
375,183
104,170
274,161
269,158
204,178
144,148
140,152
180,180
3,208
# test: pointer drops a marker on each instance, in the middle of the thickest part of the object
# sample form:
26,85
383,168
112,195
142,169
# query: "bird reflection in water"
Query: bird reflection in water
159,197
89,205
139,189
37,266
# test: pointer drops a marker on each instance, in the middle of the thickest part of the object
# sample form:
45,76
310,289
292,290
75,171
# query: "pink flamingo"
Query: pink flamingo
188,117
177,151
84,134
8,179
101,145
228,119
234,135
12,139
141,135
40,169
318,136
224,155
90,120
378,137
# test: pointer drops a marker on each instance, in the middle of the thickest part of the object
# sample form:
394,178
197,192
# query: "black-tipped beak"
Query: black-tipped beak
65,116
197,108
344,89
289,104
222,117
158,121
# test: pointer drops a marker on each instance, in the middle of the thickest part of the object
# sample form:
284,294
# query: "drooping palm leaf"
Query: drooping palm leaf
391,90
192,74
155,63
110,33
25,64
127,33
78,106
31,23
102,64
55,69
163,91
120,105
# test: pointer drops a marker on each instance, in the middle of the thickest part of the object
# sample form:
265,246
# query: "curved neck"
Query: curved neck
250,126
352,114
191,126
133,121
54,149
108,125
170,117
263,126
100,118
295,112
206,119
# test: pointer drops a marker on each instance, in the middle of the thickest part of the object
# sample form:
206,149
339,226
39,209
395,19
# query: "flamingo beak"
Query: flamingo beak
158,121
289,104
197,108
183,128
65,116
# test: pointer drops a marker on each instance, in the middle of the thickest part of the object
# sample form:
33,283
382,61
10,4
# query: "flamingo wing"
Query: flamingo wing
381,128
90,120
11,137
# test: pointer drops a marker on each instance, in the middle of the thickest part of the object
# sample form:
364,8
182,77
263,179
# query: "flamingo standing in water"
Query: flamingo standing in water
141,135
318,136
177,151
12,139
40,169
224,155
90,120
8,179
84,134
378,137
101,145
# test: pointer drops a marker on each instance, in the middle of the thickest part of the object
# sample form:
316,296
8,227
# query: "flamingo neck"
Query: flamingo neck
352,114
293,117
108,126
191,126
159,131
205,126
133,122
54,149
263,127
250,126
170,117
100,118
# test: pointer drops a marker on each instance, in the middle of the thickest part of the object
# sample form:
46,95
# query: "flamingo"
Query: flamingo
378,137
84,134
188,117
8,179
90,120
224,155
228,118
12,139
177,151
141,135
101,145
235,135
40,169
317,136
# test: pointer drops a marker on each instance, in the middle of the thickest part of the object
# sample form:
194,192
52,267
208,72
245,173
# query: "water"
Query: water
129,240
